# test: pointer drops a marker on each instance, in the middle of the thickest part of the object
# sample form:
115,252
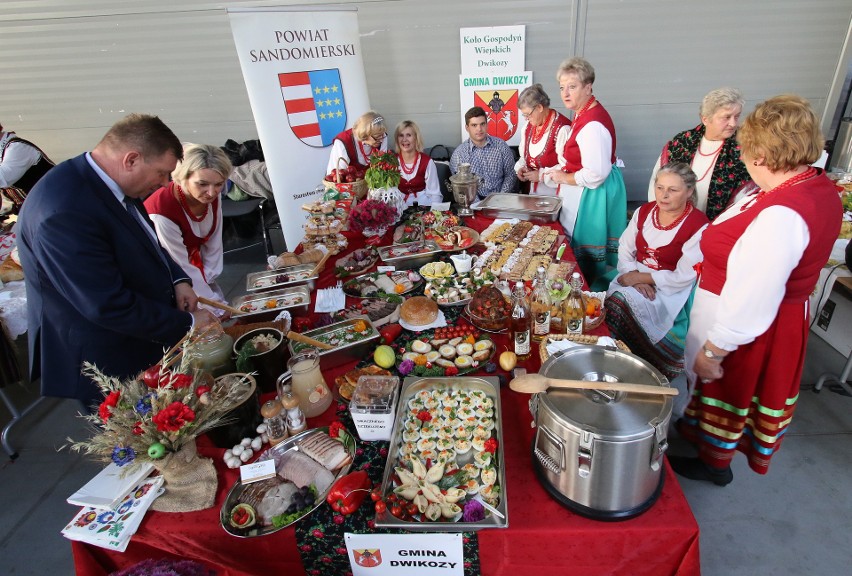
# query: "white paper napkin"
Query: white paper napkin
557,345
330,299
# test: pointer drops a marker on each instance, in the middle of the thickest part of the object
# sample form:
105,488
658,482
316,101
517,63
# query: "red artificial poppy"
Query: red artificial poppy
111,401
180,380
173,417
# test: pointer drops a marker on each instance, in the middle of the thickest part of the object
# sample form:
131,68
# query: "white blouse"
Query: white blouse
171,239
767,252
541,187
432,193
656,317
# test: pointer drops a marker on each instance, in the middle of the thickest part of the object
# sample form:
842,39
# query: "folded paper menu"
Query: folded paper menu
110,486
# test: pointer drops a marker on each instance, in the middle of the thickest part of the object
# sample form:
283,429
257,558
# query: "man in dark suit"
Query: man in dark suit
99,286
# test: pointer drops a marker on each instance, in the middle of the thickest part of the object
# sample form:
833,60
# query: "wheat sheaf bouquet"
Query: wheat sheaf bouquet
155,418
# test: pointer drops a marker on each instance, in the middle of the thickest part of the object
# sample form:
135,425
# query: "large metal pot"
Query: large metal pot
598,452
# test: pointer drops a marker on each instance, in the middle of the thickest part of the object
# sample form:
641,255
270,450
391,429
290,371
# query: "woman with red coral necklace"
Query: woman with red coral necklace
188,219
356,145
419,176
711,149
588,176
538,142
749,322
645,303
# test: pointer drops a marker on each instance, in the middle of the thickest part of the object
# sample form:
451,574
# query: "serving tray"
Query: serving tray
291,443
525,207
490,388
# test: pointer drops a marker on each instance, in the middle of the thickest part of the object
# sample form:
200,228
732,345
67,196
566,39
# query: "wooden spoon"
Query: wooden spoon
308,340
533,383
220,306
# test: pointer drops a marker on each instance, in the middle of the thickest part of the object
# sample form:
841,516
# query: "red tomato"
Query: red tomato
376,494
412,509
396,511
381,506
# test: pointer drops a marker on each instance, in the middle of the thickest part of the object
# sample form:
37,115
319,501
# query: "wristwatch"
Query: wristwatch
711,355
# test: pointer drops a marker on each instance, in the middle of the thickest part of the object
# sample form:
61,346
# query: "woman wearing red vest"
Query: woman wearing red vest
188,219
656,253
594,199
538,142
355,145
749,322
419,176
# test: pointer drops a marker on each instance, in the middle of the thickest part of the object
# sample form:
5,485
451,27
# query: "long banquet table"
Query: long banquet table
542,537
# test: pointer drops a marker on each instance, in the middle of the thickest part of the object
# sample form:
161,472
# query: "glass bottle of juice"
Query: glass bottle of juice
574,307
521,323
540,306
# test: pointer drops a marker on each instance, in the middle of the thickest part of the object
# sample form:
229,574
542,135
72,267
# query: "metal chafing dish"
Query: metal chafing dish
295,299
599,452
276,279
525,207
409,256
345,351
490,386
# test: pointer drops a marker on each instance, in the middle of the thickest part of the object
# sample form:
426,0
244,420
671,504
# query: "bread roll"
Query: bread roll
419,311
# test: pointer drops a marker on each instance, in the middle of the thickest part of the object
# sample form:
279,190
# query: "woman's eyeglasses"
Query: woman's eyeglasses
527,115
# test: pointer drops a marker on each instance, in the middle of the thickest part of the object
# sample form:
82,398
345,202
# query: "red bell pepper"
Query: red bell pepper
348,492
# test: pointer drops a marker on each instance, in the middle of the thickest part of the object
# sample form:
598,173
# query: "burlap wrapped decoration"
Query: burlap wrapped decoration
190,481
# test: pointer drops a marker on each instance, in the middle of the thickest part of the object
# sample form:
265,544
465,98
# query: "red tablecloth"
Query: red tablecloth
543,538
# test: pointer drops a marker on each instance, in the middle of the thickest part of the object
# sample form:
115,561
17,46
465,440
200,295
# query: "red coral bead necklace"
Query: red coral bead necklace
185,205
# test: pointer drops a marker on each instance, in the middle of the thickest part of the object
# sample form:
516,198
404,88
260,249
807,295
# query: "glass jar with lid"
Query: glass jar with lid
212,350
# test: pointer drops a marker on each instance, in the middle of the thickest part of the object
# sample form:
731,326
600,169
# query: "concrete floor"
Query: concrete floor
795,520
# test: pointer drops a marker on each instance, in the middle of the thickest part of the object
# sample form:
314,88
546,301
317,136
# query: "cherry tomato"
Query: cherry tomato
381,506
393,498
412,509
376,494
396,511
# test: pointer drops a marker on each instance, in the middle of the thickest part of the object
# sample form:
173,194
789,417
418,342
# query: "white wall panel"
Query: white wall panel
656,59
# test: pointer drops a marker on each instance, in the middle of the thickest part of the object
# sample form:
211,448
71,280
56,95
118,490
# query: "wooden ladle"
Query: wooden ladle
308,340
220,306
534,383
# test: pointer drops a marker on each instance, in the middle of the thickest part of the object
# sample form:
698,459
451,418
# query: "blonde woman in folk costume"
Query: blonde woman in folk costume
594,199
356,144
538,142
748,328
711,150
187,216
419,176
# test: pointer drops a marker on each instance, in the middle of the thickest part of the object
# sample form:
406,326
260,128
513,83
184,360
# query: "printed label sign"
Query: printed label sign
405,554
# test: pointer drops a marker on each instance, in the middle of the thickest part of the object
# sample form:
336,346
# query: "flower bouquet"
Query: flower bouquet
155,418
372,218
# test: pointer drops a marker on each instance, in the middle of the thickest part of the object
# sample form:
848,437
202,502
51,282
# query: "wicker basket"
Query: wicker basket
578,338
358,189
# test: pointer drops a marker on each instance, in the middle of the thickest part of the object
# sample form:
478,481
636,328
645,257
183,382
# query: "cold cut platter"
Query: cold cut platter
307,465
